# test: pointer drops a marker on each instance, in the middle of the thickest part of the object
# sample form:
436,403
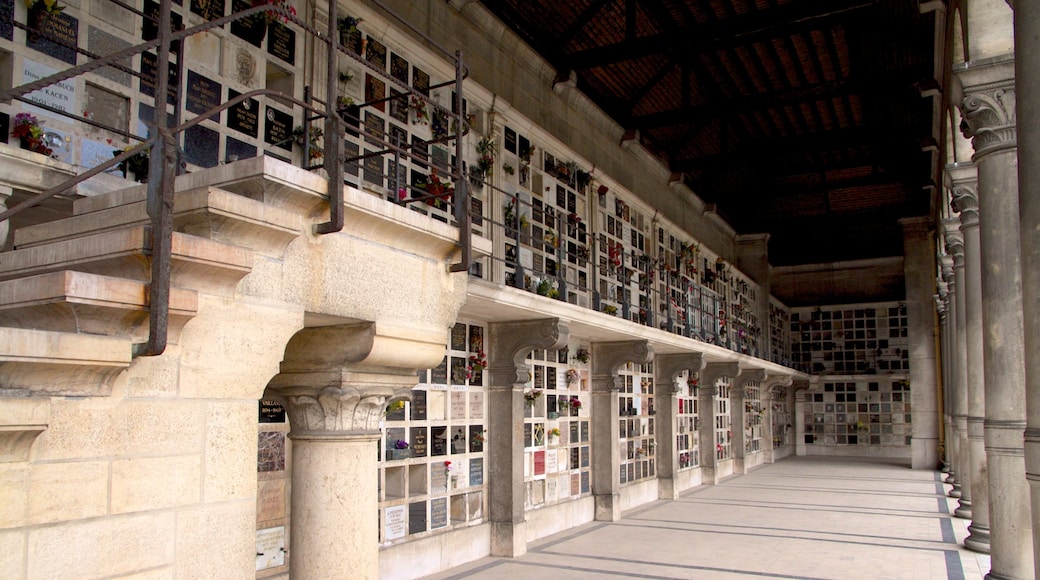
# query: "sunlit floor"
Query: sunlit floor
799,518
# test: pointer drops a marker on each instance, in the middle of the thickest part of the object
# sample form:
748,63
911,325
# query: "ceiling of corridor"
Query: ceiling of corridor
808,119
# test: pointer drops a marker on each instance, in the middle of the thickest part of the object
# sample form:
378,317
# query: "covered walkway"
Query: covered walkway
803,517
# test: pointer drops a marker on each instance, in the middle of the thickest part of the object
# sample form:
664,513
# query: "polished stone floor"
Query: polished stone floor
799,518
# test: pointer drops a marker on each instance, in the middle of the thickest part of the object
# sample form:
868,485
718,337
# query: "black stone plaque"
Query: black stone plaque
476,339
584,482
6,18
438,441
574,438
509,140
235,150
398,67
146,113
416,517
418,405
458,370
584,432
476,472
399,138
149,67
476,438
202,94
419,441
201,146
524,147
376,127
278,128
245,116
585,456
399,106
375,52
528,435
251,29
58,34
396,414
375,89
208,9
374,169
439,374
575,457
539,377
458,337
150,24
438,513
420,150
351,168
421,81
271,412
281,42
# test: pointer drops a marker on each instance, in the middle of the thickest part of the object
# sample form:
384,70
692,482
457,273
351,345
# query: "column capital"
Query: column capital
512,341
668,367
771,382
608,357
746,376
954,241
714,371
966,202
988,107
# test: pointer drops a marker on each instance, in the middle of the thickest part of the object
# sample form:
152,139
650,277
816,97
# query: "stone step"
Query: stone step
44,363
78,302
198,263
206,212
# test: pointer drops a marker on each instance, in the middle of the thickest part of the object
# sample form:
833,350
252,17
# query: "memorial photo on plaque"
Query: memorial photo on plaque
421,81
208,9
244,117
399,107
203,94
59,27
438,440
281,42
399,67
278,128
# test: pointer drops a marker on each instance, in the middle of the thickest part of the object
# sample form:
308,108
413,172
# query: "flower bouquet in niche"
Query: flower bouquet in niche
30,134
39,16
400,450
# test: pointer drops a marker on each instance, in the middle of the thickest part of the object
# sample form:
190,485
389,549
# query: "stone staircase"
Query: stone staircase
74,292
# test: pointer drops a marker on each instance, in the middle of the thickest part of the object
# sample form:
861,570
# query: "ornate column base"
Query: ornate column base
978,539
963,510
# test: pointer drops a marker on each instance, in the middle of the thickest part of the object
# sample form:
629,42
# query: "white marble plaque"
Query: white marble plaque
270,548
526,258
551,463
61,95
436,405
396,522
458,406
476,405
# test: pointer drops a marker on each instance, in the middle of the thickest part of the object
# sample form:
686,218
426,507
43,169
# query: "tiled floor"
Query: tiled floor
799,518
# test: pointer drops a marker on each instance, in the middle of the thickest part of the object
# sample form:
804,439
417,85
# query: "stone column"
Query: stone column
738,412
5,226
948,291
769,386
959,365
335,383
919,272
989,112
963,185
607,359
667,368
945,333
510,343
1027,42
706,403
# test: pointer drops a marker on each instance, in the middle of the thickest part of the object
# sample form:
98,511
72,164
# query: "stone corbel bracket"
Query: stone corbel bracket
42,363
747,375
21,422
340,378
775,382
712,372
668,367
609,357
514,340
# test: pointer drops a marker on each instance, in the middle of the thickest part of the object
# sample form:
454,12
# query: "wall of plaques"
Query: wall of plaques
783,425
859,413
779,333
849,340
557,442
432,455
723,420
687,429
636,401
754,415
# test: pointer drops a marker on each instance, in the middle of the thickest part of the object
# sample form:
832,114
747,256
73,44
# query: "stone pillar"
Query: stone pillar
706,403
919,272
959,365
989,112
5,226
769,386
948,291
963,185
667,368
945,334
510,343
1027,41
335,383
738,402
607,359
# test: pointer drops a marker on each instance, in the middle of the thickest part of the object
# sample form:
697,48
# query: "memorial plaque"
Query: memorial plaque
245,116
419,441
574,427
149,68
574,461
458,405
399,137
551,374
458,440
375,53
476,438
375,126
539,462
438,478
416,517
150,24
584,482
509,140
396,414
251,29
374,169
203,94
476,472
418,409
584,432
458,370
421,81
437,404
271,412
271,451
438,441
235,150
202,146
6,18
270,548
57,33
351,169
394,522
528,435
60,95
552,462
458,337
399,108
476,405
375,89
5,124
551,489
440,373
438,513
575,484
146,118
208,9
278,128
476,338
399,67
270,499
281,42
539,377
102,43
585,456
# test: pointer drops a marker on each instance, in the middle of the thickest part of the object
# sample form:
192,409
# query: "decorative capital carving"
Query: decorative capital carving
989,118
955,243
668,367
608,357
714,371
775,382
746,376
965,201
342,408
512,341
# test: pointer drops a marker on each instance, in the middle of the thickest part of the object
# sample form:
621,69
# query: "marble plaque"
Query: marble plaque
93,153
394,520
271,412
438,441
458,337
375,89
375,53
248,29
437,404
235,150
271,451
203,94
552,462
439,374
278,128
102,43
476,472
281,42
458,406
539,462
202,146
60,95
6,18
149,64
438,478
208,9
421,81
150,24
63,29
245,116
419,441
418,409
270,499
438,513
552,491
575,484
476,405
416,517
270,548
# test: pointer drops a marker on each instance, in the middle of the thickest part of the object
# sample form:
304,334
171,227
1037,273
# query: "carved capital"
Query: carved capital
714,371
337,408
954,240
668,367
777,382
966,201
512,341
746,376
609,357
989,118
